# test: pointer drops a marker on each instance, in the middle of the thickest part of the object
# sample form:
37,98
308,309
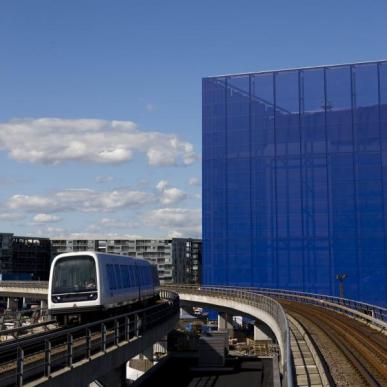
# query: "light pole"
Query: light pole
341,277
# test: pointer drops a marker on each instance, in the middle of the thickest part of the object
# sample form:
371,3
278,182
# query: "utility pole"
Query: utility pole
341,277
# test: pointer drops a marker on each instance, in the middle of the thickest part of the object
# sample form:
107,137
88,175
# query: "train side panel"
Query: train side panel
119,282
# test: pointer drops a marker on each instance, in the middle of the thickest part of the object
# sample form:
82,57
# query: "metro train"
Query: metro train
88,284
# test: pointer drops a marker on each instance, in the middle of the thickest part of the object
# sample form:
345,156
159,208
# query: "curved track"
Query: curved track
356,354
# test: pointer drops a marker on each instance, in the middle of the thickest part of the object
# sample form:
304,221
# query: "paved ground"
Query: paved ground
239,373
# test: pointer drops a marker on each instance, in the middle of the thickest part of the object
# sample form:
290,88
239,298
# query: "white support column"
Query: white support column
12,304
43,304
261,331
225,322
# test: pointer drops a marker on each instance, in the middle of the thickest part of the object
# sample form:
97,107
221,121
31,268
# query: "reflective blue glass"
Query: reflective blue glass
295,180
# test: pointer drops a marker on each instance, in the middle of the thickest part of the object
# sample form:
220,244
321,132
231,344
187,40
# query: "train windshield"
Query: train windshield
74,274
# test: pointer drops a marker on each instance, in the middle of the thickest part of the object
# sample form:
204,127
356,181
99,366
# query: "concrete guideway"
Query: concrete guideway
109,365
24,289
238,301
77,356
262,305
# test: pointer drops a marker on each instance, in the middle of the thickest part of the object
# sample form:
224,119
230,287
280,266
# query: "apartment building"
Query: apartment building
169,255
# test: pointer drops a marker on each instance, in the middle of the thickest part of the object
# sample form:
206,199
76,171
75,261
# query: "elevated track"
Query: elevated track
346,339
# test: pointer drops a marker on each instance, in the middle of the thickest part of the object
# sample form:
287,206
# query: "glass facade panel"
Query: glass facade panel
295,180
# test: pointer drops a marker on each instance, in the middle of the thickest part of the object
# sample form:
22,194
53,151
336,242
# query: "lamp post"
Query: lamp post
341,277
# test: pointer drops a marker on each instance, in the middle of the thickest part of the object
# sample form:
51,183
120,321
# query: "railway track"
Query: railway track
27,332
29,359
355,354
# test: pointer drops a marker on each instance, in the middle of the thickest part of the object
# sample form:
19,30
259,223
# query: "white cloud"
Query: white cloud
46,218
83,200
88,200
171,195
108,224
63,234
177,222
162,185
11,216
57,140
194,181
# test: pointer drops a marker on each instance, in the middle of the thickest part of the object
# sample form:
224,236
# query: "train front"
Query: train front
73,295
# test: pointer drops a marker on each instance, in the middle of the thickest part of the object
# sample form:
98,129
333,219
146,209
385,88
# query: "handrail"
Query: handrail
377,312
16,331
260,301
112,331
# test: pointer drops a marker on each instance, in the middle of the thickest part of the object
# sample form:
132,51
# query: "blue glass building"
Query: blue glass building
295,180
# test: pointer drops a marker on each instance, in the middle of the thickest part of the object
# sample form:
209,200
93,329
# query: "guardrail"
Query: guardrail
31,359
374,311
260,301
24,330
370,314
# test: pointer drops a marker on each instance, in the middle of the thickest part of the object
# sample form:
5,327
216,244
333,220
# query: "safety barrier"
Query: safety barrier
34,358
259,301
371,314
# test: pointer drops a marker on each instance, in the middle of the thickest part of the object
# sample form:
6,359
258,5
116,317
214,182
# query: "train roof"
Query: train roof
97,254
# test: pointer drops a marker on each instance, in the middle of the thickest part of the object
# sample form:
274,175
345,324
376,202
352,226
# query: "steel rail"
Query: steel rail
350,311
367,360
18,330
375,311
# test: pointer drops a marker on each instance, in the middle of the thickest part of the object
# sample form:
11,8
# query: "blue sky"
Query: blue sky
100,101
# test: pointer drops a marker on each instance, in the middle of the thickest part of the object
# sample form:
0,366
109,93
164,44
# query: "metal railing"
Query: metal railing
34,358
259,301
373,314
374,311
25,330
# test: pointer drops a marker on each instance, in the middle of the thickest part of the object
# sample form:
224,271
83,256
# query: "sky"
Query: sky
100,101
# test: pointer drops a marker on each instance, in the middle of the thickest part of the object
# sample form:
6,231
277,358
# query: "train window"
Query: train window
111,277
125,276
130,276
118,276
146,271
142,276
139,275
133,276
74,274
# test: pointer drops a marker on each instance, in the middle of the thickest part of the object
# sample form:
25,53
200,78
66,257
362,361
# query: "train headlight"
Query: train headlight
93,296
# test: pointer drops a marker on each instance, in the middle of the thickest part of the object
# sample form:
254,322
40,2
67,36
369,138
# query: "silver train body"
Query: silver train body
85,284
